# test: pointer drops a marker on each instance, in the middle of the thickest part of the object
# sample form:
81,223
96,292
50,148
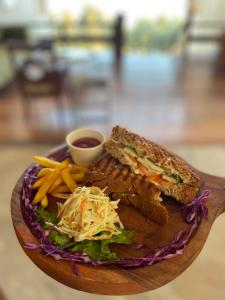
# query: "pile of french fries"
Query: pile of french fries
57,179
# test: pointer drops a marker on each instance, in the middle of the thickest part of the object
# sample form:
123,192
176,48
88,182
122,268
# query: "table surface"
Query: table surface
205,276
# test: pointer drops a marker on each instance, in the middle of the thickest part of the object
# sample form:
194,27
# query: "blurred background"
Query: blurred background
156,67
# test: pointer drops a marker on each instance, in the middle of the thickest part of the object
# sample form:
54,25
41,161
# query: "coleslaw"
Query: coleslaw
89,214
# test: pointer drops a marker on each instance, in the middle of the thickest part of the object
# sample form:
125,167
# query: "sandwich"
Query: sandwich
166,171
119,182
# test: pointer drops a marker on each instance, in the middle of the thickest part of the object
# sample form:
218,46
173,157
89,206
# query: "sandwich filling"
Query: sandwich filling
144,165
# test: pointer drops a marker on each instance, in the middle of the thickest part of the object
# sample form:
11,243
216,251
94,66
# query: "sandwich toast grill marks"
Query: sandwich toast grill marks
131,189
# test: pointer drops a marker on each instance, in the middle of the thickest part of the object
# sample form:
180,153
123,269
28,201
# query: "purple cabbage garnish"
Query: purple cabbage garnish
192,213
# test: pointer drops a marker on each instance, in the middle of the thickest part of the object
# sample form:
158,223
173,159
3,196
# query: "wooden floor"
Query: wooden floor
160,96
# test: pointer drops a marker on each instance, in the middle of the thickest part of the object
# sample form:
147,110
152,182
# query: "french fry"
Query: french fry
60,195
76,169
39,182
55,178
44,202
46,162
68,179
44,172
44,188
49,181
56,184
61,189
78,177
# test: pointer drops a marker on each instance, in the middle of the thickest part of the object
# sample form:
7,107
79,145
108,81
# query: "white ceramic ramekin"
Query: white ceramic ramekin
84,156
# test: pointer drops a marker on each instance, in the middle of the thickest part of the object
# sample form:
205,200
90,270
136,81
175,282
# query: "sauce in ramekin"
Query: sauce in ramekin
86,142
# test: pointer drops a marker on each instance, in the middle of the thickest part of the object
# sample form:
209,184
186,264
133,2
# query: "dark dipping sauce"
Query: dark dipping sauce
86,142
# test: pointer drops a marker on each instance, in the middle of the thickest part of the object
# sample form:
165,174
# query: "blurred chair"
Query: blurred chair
38,78
21,50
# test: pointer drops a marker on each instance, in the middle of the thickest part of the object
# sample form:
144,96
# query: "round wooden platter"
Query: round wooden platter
116,281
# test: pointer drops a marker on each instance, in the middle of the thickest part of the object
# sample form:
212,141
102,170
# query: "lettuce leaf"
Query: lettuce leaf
177,177
94,250
97,250
44,216
61,240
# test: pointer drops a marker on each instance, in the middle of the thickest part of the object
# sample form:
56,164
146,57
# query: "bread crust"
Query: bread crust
183,192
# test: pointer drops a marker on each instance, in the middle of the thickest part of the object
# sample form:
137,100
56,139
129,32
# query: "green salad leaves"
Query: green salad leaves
96,249
44,217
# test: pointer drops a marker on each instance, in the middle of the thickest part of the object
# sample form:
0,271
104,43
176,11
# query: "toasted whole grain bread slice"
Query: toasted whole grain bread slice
183,191
130,188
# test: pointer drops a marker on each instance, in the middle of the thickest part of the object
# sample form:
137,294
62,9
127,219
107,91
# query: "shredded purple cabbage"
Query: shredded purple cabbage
192,213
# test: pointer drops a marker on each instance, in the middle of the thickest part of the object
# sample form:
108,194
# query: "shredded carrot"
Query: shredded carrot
109,228
83,204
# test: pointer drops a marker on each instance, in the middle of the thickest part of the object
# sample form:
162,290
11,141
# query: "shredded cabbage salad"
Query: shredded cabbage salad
192,213
89,214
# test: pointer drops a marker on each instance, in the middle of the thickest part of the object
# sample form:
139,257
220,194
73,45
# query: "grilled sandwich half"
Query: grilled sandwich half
158,166
133,189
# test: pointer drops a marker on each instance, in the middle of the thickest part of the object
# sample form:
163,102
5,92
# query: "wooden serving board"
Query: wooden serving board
116,281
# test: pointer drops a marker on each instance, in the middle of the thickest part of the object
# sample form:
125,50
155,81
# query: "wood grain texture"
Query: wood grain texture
113,280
